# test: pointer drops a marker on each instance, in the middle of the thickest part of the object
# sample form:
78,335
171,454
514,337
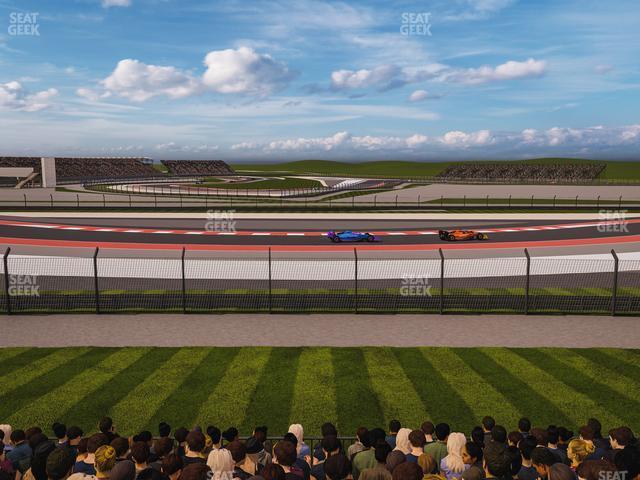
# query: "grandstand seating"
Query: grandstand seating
197,167
539,173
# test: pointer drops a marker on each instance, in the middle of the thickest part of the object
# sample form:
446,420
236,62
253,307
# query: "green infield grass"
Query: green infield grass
246,387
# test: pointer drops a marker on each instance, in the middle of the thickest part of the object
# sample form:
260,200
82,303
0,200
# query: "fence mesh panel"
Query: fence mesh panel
228,284
140,284
628,286
50,284
3,291
571,284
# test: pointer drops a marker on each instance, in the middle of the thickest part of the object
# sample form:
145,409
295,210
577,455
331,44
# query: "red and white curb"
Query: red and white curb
89,228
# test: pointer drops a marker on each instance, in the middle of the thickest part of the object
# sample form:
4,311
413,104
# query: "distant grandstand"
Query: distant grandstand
538,173
197,167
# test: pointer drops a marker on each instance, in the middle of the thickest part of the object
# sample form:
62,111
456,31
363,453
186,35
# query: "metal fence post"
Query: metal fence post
95,279
51,197
355,257
184,283
104,201
441,281
6,278
614,294
270,300
25,200
526,291
77,200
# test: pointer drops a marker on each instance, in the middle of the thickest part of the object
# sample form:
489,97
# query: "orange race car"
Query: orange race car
453,235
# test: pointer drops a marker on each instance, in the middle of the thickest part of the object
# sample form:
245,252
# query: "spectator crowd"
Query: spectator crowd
197,167
431,452
523,172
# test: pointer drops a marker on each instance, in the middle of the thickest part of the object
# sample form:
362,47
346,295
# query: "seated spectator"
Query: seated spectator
438,449
429,430
428,464
477,436
327,429
586,434
7,472
496,462
472,456
620,437
416,443
487,425
180,436
221,463
257,454
578,451
628,460
242,469
302,448
74,436
527,470
5,436
164,429
540,435
542,459
380,471
20,448
595,470
82,449
553,437
524,426
162,447
41,450
104,461
564,437
59,464
87,465
330,446
367,457
560,471
394,428
273,471
598,440
499,434
216,437
299,462
407,471
107,427
337,467
195,471
357,446
195,443
124,470
285,455
452,465
402,441
140,456
395,458
60,432
514,439
121,446
230,434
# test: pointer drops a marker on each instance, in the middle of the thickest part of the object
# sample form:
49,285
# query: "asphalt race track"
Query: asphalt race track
307,235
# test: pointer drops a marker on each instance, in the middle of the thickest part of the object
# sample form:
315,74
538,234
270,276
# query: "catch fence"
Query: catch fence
338,284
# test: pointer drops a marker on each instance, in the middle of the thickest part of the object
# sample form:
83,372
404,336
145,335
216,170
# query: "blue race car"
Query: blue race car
349,236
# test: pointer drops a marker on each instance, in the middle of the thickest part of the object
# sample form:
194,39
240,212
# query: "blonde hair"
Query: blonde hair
105,458
578,450
427,463
455,444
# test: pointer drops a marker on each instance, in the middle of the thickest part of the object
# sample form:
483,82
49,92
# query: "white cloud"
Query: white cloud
382,77
510,70
630,133
138,81
174,147
244,146
116,3
418,96
243,70
462,139
14,97
603,69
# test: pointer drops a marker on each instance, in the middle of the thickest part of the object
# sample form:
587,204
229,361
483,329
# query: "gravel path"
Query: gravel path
316,330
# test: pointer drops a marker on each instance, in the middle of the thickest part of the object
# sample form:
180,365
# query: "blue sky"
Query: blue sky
269,80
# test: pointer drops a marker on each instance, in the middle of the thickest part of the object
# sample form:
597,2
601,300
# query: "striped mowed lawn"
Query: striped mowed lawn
245,387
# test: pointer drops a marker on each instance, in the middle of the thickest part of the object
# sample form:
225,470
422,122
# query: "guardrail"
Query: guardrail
587,284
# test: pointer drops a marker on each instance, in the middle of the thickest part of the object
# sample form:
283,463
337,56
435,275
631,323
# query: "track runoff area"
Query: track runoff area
555,233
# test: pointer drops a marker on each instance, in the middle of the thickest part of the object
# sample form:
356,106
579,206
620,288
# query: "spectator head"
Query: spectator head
542,459
407,471
596,426
18,436
39,458
540,435
514,438
595,470
442,431
488,423
164,429
471,453
260,433
416,439
125,470
496,461
428,428
254,445
238,451
163,446
216,434
337,467
230,434
524,425
59,430
30,432
140,452
560,471
285,453
455,445
83,445
621,437
477,436
121,446
105,459
564,435
171,464
526,447
74,432
195,441
628,460
578,450
195,471
499,434
553,435
515,460
96,441
106,425
59,464
37,439
290,437
427,464
273,471
394,459
298,431
586,433
382,452
330,445
180,434
394,426
6,432
402,441
328,429
144,436
362,432
377,435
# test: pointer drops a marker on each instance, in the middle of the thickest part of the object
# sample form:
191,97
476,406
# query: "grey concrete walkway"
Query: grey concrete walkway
316,330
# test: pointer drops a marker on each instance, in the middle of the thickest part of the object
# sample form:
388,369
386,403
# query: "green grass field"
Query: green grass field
616,170
245,387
